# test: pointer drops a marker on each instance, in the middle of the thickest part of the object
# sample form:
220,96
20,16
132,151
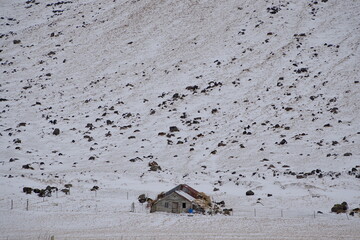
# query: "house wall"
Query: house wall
160,206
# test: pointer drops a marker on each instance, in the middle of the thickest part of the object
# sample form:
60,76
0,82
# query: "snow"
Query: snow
185,195
119,65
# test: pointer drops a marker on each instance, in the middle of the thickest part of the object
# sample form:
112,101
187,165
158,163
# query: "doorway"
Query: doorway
175,207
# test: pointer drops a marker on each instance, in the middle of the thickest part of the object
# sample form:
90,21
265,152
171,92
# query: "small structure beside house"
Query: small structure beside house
181,199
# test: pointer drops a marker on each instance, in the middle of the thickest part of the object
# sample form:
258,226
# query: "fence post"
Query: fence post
27,204
254,212
12,204
282,215
133,207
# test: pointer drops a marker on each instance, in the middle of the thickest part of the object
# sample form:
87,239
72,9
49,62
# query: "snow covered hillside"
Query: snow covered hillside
226,96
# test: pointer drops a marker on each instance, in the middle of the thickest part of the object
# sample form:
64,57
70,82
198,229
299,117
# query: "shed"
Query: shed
180,199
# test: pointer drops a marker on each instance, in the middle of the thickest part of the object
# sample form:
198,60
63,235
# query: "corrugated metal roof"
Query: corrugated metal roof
185,195
185,188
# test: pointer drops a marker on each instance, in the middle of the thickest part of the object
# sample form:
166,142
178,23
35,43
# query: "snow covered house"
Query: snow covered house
181,199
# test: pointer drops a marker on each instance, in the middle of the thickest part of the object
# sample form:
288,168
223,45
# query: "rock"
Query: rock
27,166
66,191
142,198
221,203
192,88
176,96
250,193
56,131
227,211
347,154
137,159
27,190
154,166
273,10
17,41
94,188
47,191
340,208
283,142
173,129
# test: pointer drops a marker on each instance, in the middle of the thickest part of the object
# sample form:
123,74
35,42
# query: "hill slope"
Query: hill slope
240,95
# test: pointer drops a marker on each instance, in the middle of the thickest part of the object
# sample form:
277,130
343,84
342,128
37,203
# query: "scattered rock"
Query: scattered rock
56,131
173,129
27,166
27,190
340,208
66,191
250,193
137,159
142,198
154,166
227,211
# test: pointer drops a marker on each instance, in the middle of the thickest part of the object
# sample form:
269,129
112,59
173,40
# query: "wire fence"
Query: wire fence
94,206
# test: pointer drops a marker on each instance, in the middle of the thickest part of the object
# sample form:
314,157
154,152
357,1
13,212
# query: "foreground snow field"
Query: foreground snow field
225,96
111,225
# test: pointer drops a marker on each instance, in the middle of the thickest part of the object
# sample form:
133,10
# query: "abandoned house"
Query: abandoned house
181,199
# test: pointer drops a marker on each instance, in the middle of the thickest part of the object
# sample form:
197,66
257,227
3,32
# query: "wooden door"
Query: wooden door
175,207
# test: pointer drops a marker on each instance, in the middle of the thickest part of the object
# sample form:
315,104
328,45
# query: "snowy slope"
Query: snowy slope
262,94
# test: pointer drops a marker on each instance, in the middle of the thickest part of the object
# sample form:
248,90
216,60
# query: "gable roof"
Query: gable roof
184,188
185,195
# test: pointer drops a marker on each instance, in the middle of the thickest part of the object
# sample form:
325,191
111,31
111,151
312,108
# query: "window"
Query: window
166,204
184,205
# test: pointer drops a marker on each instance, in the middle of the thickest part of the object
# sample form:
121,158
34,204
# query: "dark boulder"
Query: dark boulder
250,193
154,166
142,198
227,211
27,190
173,129
56,131
340,208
